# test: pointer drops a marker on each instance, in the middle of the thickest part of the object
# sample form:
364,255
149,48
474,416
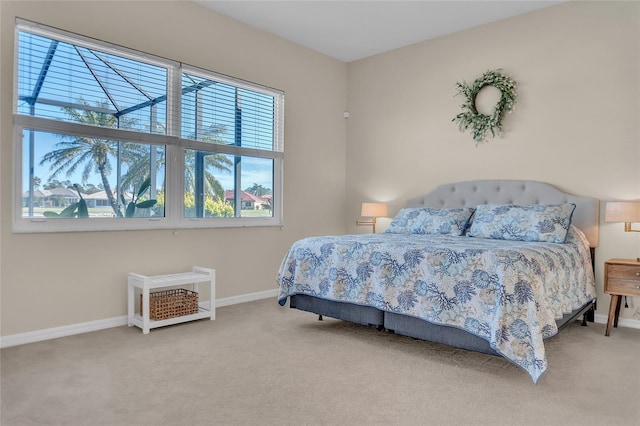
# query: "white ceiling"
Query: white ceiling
351,30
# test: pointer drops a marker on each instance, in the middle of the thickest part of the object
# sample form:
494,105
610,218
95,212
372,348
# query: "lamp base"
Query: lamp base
371,223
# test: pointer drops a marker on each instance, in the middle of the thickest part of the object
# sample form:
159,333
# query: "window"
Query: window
110,138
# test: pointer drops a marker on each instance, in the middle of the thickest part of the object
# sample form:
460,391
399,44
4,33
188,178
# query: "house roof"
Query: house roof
102,195
245,196
55,192
72,193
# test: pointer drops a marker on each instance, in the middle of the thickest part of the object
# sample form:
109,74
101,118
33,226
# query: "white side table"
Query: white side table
148,282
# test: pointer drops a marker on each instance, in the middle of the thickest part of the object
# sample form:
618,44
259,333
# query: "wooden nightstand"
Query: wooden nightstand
621,278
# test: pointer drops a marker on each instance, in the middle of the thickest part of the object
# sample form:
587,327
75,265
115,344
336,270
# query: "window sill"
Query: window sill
43,225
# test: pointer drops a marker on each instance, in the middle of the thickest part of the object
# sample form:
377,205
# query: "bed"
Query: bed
493,266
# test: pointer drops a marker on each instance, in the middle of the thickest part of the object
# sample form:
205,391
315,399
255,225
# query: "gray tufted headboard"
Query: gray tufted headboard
472,193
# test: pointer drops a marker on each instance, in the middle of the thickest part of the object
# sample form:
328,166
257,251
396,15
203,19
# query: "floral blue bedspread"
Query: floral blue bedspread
507,292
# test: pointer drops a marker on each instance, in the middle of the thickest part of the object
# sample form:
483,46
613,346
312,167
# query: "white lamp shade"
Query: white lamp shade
374,210
622,211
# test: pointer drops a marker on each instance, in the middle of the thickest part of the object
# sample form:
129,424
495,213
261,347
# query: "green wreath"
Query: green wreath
482,124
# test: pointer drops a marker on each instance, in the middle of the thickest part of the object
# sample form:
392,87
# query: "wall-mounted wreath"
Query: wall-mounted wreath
481,124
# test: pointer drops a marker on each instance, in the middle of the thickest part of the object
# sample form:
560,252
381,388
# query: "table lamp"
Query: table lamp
372,210
623,211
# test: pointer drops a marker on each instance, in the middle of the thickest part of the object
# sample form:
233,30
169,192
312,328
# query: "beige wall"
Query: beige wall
576,124
51,280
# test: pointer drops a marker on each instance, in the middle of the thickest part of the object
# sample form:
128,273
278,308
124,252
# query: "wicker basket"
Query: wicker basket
171,303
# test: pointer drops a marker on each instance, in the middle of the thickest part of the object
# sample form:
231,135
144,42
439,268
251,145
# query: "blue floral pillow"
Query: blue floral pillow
428,220
538,222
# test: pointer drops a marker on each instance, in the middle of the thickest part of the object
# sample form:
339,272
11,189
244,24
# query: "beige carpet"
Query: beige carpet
261,364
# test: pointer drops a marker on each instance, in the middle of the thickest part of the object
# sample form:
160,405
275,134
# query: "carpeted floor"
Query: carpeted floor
261,364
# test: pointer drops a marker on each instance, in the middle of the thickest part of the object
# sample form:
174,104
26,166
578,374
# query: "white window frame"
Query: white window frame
175,147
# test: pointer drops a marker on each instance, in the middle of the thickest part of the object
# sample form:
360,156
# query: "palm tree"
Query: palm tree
136,157
221,162
94,155
258,190
86,153
211,186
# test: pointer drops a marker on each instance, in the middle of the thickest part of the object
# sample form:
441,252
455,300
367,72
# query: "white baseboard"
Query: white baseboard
86,327
622,322
234,300
56,332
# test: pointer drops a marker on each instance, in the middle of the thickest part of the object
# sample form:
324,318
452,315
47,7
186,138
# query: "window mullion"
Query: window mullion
174,193
174,100
153,190
278,183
